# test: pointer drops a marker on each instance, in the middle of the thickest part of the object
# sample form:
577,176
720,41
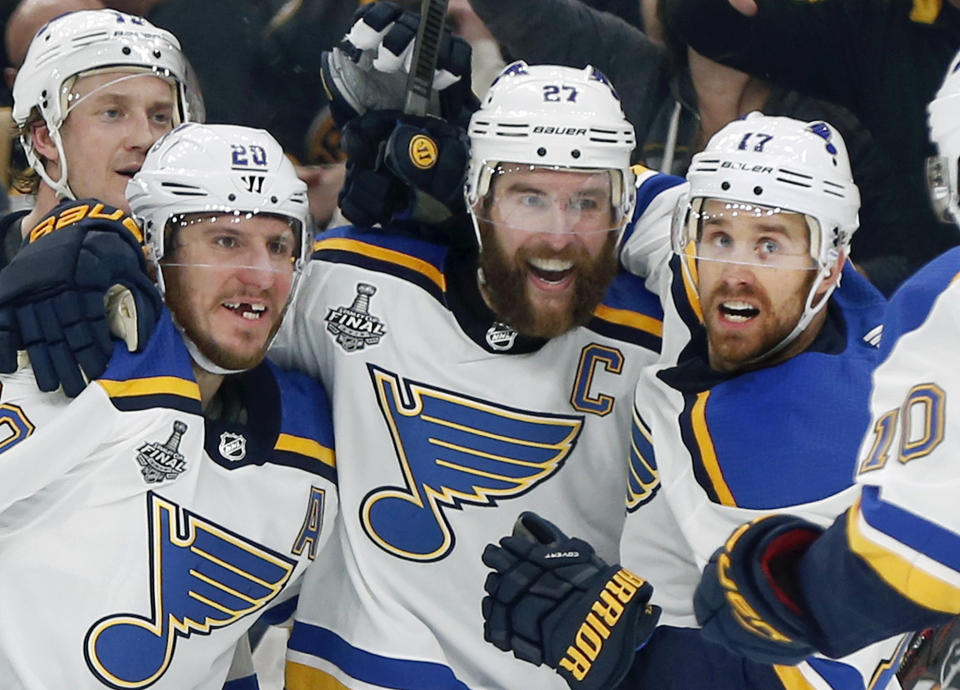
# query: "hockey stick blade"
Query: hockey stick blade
425,50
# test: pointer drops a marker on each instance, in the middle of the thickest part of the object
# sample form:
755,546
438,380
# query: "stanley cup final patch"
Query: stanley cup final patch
354,327
162,461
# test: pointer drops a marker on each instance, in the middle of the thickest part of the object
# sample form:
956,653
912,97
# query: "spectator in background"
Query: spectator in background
487,59
882,60
677,99
274,77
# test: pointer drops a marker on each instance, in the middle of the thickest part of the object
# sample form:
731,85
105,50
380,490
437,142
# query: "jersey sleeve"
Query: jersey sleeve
45,437
892,562
645,247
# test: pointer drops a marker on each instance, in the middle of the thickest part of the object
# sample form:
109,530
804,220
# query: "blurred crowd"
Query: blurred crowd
679,78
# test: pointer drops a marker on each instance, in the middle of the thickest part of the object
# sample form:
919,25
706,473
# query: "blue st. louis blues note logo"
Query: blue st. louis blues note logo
455,450
202,577
643,479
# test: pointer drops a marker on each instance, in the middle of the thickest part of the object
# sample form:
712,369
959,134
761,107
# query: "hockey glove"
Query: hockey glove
403,168
368,69
82,258
552,601
748,599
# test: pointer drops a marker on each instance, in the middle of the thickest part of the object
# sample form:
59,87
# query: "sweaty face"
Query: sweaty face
227,282
108,131
548,248
755,273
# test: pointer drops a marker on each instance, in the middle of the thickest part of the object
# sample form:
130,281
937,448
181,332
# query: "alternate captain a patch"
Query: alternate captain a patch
354,327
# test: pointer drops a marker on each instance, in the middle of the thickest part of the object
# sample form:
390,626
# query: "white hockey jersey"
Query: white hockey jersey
138,540
712,451
451,425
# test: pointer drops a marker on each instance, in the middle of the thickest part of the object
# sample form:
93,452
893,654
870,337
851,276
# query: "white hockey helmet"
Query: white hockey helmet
943,170
763,165
548,116
87,41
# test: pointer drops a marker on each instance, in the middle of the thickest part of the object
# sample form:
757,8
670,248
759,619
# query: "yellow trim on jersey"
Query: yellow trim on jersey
152,385
690,279
792,678
632,319
306,446
708,454
303,677
382,254
925,11
903,575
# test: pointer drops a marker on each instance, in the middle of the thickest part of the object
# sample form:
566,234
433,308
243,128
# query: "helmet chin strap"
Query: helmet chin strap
202,360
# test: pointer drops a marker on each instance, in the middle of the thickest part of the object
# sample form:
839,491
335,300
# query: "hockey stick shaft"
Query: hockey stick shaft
425,50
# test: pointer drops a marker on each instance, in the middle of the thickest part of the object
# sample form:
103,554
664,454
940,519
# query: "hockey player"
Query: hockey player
147,523
97,88
779,588
478,386
761,347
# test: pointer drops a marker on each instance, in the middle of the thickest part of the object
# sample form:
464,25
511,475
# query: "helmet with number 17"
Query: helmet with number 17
771,170
943,170
86,43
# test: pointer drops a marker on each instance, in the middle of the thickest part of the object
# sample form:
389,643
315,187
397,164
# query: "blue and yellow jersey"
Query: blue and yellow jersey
892,561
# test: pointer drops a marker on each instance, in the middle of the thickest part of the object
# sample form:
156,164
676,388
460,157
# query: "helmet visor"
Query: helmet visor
551,199
710,229
235,239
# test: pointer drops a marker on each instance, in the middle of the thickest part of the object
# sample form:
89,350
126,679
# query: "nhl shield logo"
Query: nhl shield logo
354,326
233,446
500,336
159,462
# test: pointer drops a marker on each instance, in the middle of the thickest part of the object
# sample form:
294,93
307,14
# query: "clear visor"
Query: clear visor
938,185
545,199
707,229
185,105
234,240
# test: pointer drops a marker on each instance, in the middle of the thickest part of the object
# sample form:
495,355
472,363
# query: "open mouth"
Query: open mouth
128,173
251,312
551,271
737,311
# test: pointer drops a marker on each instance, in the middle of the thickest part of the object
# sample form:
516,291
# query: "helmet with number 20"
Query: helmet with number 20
228,169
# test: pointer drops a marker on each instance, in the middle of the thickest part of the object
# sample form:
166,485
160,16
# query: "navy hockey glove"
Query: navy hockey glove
748,599
403,168
552,601
368,69
81,271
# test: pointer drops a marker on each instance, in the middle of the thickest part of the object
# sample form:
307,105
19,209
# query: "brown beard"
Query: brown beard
506,285
175,296
727,357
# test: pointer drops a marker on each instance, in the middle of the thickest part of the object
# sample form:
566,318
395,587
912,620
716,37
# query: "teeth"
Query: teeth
248,311
551,264
737,305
